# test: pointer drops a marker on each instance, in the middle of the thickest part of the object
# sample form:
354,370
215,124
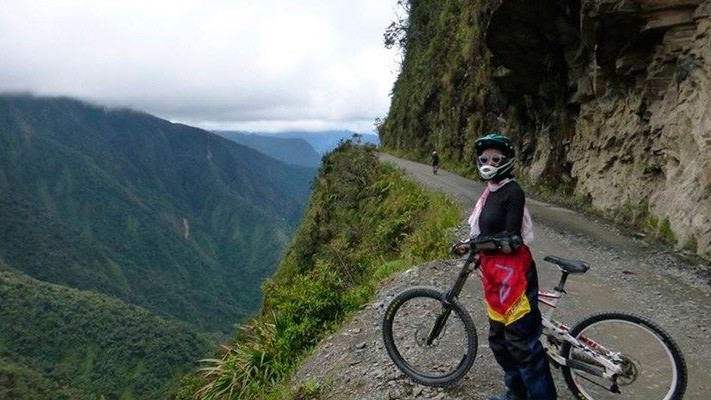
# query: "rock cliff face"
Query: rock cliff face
614,98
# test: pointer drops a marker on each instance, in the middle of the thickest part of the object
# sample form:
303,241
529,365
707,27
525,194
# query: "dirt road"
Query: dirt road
626,274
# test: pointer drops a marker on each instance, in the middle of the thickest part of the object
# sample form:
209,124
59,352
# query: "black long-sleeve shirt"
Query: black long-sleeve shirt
503,211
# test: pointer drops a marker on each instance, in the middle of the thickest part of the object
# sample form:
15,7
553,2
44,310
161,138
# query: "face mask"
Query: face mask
489,172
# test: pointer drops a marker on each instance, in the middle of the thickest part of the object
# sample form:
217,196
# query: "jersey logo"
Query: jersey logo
505,289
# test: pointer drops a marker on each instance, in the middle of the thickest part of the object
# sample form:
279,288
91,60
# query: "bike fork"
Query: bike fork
447,299
439,323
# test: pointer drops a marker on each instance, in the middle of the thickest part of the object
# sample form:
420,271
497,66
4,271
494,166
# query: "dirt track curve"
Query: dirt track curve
626,274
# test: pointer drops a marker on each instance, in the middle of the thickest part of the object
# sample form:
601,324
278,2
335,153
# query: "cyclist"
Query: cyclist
510,280
435,162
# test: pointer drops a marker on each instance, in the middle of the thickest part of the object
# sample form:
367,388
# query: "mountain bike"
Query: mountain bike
432,339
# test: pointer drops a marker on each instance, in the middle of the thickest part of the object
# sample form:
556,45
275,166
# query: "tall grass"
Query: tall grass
246,366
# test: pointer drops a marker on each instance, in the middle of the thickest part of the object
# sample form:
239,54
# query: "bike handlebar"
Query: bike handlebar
503,242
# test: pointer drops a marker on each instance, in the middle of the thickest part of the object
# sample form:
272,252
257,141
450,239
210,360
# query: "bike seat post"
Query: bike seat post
561,284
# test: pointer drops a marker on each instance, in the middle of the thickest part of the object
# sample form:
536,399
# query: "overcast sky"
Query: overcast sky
257,65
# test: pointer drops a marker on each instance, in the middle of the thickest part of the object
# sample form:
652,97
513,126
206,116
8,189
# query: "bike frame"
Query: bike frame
589,353
603,362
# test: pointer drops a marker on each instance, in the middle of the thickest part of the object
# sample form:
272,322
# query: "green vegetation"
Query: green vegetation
692,244
364,221
561,194
440,96
172,218
21,382
63,343
661,229
118,204
451,90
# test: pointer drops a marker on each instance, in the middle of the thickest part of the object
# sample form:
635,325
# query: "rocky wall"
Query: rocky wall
681,121
643,147
634,79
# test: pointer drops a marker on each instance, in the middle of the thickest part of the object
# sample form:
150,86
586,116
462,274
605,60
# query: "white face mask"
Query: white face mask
489,172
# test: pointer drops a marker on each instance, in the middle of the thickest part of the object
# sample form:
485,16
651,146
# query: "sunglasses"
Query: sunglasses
494,159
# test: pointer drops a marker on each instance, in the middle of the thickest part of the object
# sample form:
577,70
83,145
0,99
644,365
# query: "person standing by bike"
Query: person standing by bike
510,280
435,162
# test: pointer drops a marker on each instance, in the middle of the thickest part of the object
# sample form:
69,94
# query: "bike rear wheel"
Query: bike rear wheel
408,323
653,366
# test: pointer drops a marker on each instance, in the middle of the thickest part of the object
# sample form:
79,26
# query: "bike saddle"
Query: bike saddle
570,266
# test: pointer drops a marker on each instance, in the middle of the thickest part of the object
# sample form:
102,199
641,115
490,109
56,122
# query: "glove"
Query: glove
461,248
512,244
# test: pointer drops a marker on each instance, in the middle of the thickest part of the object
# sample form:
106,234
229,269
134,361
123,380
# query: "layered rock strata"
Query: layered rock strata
617,96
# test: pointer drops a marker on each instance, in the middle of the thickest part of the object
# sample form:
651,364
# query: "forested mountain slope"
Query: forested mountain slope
162,215
62,343
126,243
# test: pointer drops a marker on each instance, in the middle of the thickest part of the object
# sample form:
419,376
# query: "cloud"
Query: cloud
209,63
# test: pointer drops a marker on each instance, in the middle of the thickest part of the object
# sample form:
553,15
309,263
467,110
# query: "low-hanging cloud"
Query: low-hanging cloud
214,63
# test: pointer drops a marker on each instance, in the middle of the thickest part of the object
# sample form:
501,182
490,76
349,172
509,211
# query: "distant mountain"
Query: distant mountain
175,219
295,150
124,239
62,343
325,141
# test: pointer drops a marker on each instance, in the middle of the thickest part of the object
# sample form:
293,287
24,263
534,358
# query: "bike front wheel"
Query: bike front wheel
652,366
432,341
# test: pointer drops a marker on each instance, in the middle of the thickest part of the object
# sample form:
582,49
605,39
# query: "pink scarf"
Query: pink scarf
526,224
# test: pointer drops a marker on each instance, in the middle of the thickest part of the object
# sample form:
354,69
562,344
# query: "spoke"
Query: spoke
446,351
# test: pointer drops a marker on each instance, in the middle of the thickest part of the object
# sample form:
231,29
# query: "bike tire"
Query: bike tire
408,316
622,332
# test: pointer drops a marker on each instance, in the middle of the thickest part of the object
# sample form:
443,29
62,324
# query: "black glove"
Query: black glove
461,248
511,244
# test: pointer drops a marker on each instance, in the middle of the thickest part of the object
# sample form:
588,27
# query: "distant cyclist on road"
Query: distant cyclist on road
435,162
510,280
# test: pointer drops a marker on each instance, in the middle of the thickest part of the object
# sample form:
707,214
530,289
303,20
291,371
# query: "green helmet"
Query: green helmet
500,142
495,140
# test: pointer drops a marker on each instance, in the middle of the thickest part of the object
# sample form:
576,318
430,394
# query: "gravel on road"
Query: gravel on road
626,275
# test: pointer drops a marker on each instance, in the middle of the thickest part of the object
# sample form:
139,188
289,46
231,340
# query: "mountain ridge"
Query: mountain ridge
122,186
322,141
127,245
295,150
